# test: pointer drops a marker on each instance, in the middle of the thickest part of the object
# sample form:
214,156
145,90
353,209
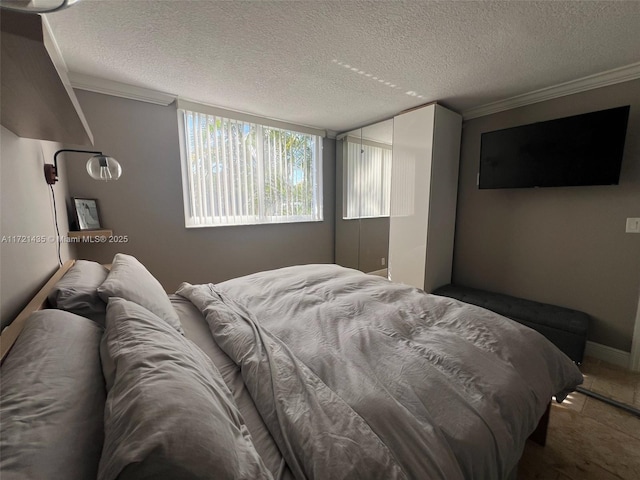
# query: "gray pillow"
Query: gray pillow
129,279
169,414
77,291
52,400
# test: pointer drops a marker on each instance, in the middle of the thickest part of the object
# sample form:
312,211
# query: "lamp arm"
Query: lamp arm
51,171
55,155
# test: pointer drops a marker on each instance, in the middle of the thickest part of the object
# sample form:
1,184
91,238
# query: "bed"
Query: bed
313,371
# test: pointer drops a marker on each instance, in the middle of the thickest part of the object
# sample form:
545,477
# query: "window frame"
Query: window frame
260,122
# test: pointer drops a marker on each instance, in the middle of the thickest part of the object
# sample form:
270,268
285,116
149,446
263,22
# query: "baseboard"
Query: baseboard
379,273
608,354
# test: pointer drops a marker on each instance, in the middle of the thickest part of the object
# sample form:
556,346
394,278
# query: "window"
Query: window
368,179
237,172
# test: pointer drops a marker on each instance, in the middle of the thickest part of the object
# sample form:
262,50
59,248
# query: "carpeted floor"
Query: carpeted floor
589,439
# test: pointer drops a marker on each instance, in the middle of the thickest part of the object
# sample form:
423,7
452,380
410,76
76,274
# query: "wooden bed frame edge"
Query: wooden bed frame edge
539,435
38,302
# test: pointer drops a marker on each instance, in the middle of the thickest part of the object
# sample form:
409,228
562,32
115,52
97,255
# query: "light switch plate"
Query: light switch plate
633,225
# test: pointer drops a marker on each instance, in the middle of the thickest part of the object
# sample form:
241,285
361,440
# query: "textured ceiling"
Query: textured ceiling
341,64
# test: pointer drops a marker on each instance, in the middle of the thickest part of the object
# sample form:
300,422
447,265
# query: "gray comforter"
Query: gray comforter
358,377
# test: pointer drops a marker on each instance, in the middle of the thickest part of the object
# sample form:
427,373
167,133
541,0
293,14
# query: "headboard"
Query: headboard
39,302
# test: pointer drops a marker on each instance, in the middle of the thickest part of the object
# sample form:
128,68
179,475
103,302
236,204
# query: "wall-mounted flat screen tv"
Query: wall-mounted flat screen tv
572,151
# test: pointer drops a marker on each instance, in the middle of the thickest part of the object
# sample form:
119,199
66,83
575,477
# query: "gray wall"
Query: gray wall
146,204
565,246
27,210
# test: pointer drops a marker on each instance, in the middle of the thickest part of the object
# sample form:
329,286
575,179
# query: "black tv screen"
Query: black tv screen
580,150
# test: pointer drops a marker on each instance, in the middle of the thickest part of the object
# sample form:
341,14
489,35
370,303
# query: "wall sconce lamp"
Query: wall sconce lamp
99,167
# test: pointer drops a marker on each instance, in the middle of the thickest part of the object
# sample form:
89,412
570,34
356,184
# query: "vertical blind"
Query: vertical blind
368,180
238,173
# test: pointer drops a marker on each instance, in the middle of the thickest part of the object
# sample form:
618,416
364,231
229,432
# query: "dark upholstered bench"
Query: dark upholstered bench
566,328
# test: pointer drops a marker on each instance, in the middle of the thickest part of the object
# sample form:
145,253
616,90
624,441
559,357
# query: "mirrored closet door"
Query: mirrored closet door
363,176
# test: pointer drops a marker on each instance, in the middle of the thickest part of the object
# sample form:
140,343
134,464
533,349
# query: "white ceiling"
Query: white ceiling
341,64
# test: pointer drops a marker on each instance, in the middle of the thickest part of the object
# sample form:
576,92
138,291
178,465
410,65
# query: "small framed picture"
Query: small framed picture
87,215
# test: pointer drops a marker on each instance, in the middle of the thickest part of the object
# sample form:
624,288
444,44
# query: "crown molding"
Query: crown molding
598,80
90,83
331,134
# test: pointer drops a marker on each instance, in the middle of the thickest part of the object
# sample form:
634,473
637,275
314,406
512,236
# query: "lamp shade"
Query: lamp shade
36,6
102,167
